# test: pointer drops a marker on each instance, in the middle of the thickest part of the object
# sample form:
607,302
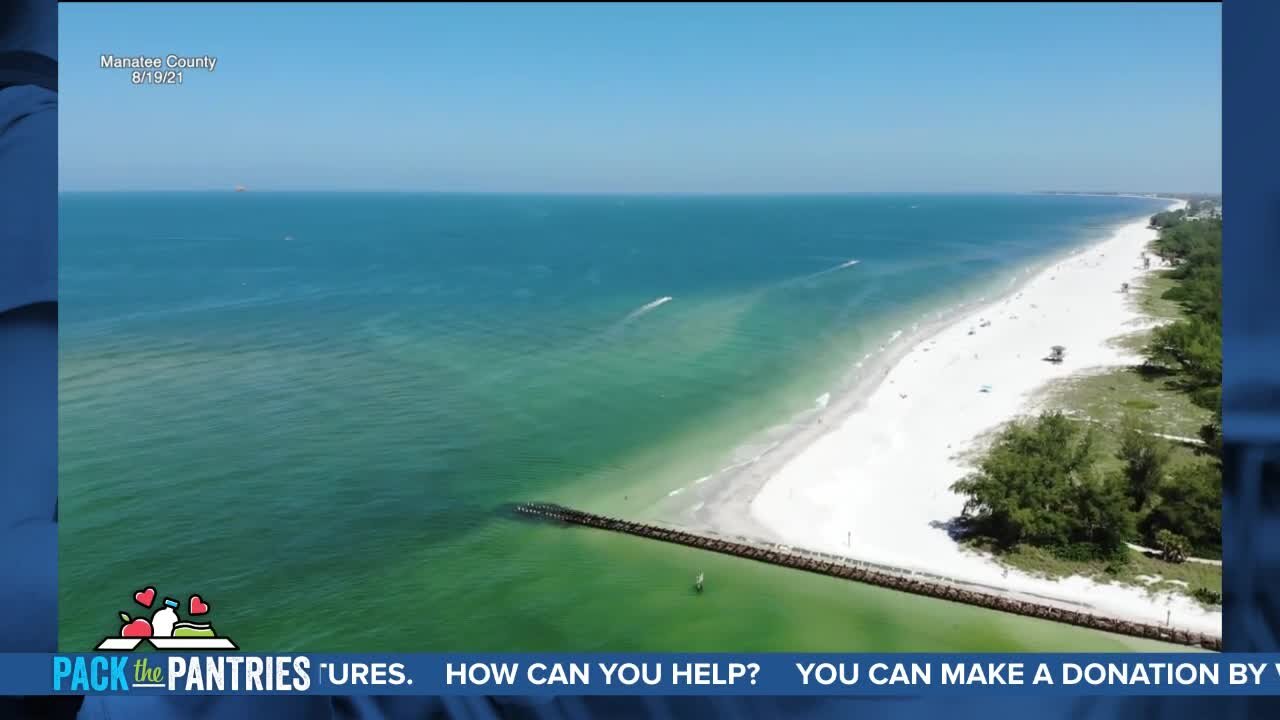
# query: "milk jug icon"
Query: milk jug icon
162,622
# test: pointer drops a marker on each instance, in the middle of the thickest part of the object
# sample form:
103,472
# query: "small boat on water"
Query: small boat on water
697,584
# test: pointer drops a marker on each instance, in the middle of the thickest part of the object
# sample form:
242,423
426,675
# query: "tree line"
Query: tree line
1191,348
1041,483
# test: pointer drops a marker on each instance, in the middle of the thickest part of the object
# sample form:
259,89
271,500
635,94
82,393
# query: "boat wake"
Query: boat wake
841,266
836,268
648,307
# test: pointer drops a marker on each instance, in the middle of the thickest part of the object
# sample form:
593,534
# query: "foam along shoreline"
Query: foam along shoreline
874,481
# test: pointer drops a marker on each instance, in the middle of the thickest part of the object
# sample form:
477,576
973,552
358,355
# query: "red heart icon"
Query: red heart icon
198,606
144,597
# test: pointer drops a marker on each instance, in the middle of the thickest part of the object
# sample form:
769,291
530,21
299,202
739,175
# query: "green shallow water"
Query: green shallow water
312,409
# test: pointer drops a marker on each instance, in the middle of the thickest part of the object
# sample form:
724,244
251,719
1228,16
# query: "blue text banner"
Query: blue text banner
641,674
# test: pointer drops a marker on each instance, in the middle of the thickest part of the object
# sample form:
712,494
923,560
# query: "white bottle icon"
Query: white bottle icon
162,622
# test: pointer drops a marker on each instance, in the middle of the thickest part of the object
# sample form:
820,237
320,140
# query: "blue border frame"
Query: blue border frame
1251,156
1251,328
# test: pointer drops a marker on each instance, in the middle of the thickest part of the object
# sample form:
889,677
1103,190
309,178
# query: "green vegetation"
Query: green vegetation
1136,404
1039,485
1108,398
1173,547
1135,568
1207,596
1190,348
1145,457
1188,504
1135,457
1198,208
1153,301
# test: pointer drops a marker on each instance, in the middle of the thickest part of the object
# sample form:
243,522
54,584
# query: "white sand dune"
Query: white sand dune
875,485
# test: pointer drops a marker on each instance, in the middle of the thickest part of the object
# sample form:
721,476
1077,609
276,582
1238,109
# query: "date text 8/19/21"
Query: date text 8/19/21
156,77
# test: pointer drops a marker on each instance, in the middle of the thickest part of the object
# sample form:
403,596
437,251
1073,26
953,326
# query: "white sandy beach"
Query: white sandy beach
875,484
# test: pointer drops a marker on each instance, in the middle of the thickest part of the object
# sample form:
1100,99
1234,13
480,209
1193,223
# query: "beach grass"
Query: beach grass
1137,571
1133,342
1107,398
1150,301
1151,298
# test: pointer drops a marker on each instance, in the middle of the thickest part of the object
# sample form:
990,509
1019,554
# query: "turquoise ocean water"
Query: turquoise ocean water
311,408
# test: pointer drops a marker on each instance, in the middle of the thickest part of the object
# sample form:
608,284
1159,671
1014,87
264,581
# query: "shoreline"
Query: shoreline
724,496
836,483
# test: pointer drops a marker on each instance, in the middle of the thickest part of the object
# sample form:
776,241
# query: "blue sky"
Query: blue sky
663,98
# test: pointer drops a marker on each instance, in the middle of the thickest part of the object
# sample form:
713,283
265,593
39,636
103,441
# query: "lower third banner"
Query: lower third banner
171,673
